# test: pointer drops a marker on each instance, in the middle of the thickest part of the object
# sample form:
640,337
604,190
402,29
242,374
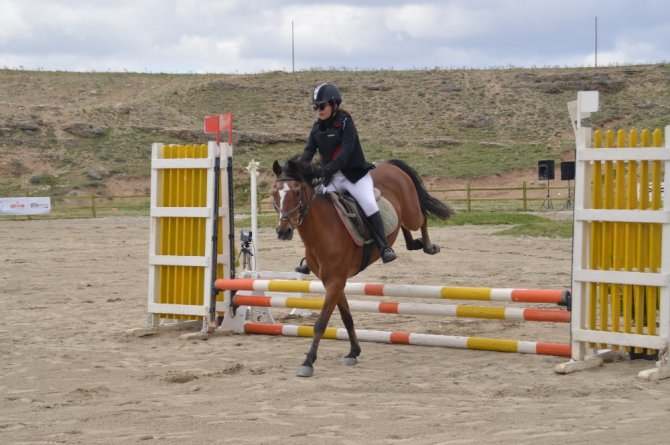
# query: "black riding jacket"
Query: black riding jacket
337,141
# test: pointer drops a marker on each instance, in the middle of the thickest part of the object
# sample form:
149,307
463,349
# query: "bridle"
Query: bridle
301,208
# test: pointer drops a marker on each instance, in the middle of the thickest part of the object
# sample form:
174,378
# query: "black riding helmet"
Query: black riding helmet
324,93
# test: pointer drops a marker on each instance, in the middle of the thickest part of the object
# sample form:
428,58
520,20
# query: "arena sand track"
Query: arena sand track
69,374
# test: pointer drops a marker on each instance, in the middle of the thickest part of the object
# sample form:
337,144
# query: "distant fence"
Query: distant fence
522,198
467,199
496,199
93,206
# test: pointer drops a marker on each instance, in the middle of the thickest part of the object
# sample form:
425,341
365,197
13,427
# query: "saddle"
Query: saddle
354,220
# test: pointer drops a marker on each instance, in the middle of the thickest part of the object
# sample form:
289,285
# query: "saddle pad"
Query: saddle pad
355,221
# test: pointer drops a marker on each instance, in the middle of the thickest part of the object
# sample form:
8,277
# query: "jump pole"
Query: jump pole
446,310
408,338
555,296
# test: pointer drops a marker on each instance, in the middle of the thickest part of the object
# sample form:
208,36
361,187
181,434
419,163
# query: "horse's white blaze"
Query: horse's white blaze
282,194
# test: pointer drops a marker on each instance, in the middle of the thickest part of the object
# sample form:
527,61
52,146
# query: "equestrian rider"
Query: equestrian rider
343,165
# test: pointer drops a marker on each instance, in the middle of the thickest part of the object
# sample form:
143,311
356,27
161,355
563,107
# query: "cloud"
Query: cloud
12,24
436,22
625,52
352,29
242,36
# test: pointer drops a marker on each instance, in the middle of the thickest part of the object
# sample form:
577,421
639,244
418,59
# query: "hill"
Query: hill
73,133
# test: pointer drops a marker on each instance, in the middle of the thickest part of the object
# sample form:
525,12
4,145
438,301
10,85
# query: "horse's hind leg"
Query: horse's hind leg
420,243
410,242
355,350
428,247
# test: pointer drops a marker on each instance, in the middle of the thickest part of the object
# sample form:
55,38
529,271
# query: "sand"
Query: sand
70,374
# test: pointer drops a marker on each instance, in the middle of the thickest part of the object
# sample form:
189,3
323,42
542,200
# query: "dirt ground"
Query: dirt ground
69,373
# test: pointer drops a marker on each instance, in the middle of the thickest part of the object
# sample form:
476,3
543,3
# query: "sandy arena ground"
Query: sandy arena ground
69,374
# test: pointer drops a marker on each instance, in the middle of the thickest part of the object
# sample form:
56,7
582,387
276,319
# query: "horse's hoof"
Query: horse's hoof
349,361
432,250
305,371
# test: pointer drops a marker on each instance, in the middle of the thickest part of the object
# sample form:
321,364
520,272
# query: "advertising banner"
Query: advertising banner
25,206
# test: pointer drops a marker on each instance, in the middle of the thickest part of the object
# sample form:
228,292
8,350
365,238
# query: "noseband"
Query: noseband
302,208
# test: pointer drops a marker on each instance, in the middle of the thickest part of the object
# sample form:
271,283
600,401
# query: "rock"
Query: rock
438,142
28,125
98,174
492,144
558,83
123,108
189,136
449,87
221,85
269,138
473,121
377,87
85,130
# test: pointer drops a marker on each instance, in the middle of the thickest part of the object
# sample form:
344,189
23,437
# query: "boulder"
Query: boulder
85,130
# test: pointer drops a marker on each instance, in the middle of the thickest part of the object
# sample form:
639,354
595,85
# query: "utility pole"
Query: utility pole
596,41
292,49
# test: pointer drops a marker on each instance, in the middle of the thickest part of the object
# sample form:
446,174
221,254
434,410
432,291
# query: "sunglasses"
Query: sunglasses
320,106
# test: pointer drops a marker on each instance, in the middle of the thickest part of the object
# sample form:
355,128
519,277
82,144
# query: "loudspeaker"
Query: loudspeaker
568,170
545,169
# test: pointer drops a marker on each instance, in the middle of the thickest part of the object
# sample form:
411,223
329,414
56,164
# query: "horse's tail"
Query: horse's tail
430,205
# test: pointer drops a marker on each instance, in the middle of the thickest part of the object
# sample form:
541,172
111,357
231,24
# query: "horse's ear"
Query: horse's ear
276,168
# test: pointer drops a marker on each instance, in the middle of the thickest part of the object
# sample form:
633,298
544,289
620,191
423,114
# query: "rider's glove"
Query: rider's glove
320,190
327,172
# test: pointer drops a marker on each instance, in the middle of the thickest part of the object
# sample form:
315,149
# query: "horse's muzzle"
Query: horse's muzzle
284,233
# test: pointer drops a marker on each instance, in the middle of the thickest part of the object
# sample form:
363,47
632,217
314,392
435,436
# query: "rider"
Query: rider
343,165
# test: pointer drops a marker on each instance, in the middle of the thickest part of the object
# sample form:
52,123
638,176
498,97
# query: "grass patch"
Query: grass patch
265,221
546,228
487,218
524,224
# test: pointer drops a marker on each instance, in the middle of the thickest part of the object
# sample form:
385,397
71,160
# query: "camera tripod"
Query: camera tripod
568,202
547,203
246,254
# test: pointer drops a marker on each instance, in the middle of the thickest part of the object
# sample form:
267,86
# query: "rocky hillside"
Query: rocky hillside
74,133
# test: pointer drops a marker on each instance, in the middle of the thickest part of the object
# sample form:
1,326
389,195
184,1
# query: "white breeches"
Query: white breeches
362,191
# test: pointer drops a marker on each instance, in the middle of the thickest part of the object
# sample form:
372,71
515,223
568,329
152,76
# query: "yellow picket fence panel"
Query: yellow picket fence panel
621,249
181,214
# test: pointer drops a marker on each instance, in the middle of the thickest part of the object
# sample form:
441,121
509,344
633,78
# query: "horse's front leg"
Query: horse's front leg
355,350
307,367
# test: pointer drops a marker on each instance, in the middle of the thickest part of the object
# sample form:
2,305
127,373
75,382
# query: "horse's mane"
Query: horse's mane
299,170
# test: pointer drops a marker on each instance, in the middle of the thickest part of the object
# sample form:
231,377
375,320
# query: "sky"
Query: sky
255,36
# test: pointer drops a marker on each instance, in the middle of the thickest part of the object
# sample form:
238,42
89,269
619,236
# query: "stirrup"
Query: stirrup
302,268
387,255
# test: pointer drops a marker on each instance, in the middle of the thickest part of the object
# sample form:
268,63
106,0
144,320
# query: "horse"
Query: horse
331,253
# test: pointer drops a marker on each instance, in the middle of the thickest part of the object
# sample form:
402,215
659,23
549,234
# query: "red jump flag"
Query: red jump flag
218,123
212,124
227,122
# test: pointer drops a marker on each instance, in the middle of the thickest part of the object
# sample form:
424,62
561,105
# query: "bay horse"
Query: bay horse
331,253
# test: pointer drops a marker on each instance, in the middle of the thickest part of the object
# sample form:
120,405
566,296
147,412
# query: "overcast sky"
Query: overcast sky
252,36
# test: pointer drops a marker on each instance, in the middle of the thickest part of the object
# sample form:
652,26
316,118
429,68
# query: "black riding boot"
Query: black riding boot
302,268
377,228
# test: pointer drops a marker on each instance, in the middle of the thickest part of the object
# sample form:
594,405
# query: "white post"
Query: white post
252,168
